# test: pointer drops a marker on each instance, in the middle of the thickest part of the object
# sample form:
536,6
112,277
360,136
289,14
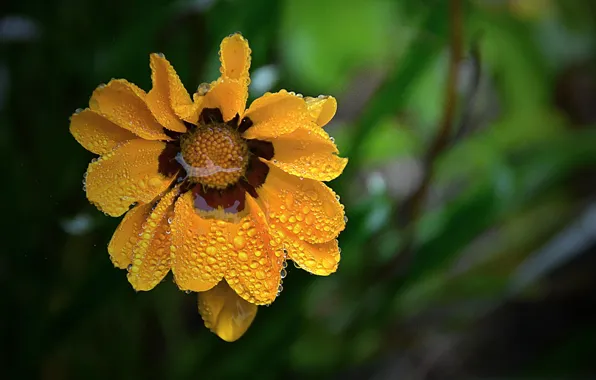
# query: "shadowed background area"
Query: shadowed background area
470,251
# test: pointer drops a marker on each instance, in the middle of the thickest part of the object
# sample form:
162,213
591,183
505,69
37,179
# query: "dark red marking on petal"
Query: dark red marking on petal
256,172
231,199
211,116
261,148
172,134
233,122
244,125
248,188
189,126
168,165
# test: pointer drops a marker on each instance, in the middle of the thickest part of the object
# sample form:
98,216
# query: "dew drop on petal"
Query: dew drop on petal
283,273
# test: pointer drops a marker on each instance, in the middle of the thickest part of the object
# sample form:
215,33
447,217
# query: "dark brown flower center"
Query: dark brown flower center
214,155
217,164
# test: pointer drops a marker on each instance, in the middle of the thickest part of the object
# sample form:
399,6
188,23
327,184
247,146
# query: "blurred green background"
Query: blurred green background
470,251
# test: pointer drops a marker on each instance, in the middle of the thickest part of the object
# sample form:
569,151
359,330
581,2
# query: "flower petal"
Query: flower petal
308,153
127,235
275,114
226,94
151,253
225,313
322,108
320,259
306,207
127,174
255,265
234,54
123,103
199,247
96,133
167,93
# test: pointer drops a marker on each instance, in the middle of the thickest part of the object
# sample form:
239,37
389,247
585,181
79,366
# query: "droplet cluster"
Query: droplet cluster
306,208
255,264
151,253
126,175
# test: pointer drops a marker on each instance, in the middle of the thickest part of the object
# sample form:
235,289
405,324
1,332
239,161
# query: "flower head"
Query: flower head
221,195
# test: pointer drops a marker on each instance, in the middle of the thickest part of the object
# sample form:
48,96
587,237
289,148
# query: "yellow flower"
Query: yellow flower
222,195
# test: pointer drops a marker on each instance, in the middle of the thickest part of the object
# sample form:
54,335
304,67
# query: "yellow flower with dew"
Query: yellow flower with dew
220,195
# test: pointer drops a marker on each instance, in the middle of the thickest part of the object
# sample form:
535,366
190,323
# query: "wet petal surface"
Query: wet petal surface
127,234
255,264
275,114
151,253
199,248
225,313
96,133
128,174
308,153
124,104
308,208
167,93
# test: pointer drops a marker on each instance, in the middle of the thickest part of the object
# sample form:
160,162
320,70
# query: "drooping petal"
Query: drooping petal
124,104
305,207
167,93
308,153
96,133
320,259
255,265
128,174
275,114
225,313
127,235
151,253
199,248
234,54
322,108
228,95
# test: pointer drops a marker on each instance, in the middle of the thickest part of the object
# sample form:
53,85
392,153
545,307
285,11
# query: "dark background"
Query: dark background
470,251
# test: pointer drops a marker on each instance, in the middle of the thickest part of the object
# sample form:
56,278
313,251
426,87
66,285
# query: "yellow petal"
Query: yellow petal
306,207
127,234
255,264
320,259
167,93
308,153
96,133
151,253
226,94
235,58
189,112
123,103
275,114
322,108
127,174
225,313
199,247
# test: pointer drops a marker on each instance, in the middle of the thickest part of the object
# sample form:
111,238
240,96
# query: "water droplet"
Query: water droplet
284,264
187,291
160,55
345,219
332,139
78,111
170,220
129,267
283,273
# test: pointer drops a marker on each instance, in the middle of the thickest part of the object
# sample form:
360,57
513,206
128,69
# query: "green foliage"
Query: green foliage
517,170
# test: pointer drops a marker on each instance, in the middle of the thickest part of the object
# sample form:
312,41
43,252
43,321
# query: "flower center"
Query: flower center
214,155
